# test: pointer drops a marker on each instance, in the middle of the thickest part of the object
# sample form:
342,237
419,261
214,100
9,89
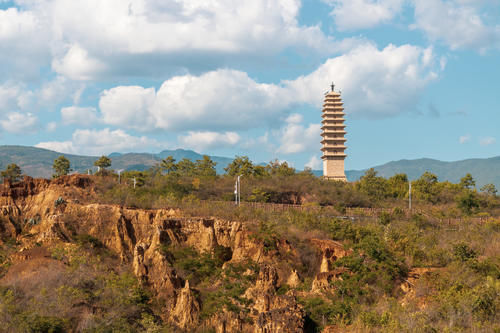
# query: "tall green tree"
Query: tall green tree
241,165
205,167
168,164
103,162
489,189
277,168
426,187
186,167
467,182
61,166
373,186
12,172
468,202
398,185
139,176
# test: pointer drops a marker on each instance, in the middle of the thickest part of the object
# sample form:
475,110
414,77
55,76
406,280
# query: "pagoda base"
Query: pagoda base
333,169
338,179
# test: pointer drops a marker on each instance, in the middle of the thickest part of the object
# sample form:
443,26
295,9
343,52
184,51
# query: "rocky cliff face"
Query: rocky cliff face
48,212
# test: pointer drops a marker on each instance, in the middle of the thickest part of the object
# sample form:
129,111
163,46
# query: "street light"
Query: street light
237,192
409,196
119,175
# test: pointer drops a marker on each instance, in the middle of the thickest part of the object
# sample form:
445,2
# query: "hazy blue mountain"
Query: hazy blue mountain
179,154
484,171
37,162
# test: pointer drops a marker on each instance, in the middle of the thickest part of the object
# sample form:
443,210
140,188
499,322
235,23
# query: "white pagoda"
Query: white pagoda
333,133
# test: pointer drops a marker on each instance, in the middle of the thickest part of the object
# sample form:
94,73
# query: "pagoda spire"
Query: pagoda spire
333,133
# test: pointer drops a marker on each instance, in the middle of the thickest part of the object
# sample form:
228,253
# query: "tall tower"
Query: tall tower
333,137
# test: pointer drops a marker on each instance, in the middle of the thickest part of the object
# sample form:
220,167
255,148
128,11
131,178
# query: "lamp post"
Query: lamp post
119,176
409,196
237,191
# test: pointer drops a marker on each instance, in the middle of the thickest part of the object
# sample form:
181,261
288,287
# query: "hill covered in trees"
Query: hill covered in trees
166,250
37,162
485,170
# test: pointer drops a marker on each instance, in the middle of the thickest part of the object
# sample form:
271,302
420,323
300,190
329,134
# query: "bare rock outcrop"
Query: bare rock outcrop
275,313
139,237
186,310
330,252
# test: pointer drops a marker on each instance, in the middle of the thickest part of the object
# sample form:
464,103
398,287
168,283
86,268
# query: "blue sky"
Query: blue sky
419,78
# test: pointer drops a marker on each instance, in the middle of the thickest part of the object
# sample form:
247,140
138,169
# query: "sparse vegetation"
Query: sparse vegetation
12,173
61,167
435,268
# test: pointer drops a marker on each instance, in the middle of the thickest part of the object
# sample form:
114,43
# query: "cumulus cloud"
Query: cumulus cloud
147,36
129,106
457,23
209,140
376,83
77,64
218,100
362,14
17,97
314,163
23,43
297,138
98,142
12,97
83,116
51,126
19,123
488,141
464,139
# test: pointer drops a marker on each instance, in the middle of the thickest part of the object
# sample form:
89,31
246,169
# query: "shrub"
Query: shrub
463,252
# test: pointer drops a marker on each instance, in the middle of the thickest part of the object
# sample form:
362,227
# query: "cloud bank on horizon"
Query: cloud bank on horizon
246,78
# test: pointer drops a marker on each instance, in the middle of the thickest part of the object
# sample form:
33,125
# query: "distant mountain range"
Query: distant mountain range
484,170
37,162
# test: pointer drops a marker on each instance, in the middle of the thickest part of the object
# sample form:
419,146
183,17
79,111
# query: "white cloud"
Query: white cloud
83,116
147,36
362,14
374,82
487,141
129,106
23,43
10,97
457,23
208,140
55,91
99,142
78,65
15,96
314,163
296,138
218,100
261,143
51,127
65,147
464,139
19,123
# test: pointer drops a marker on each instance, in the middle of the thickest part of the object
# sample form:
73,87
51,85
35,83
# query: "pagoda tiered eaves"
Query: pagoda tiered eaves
333,133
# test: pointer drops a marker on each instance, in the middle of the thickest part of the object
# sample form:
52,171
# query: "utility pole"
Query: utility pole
119,176
135,182
409,196
237,192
